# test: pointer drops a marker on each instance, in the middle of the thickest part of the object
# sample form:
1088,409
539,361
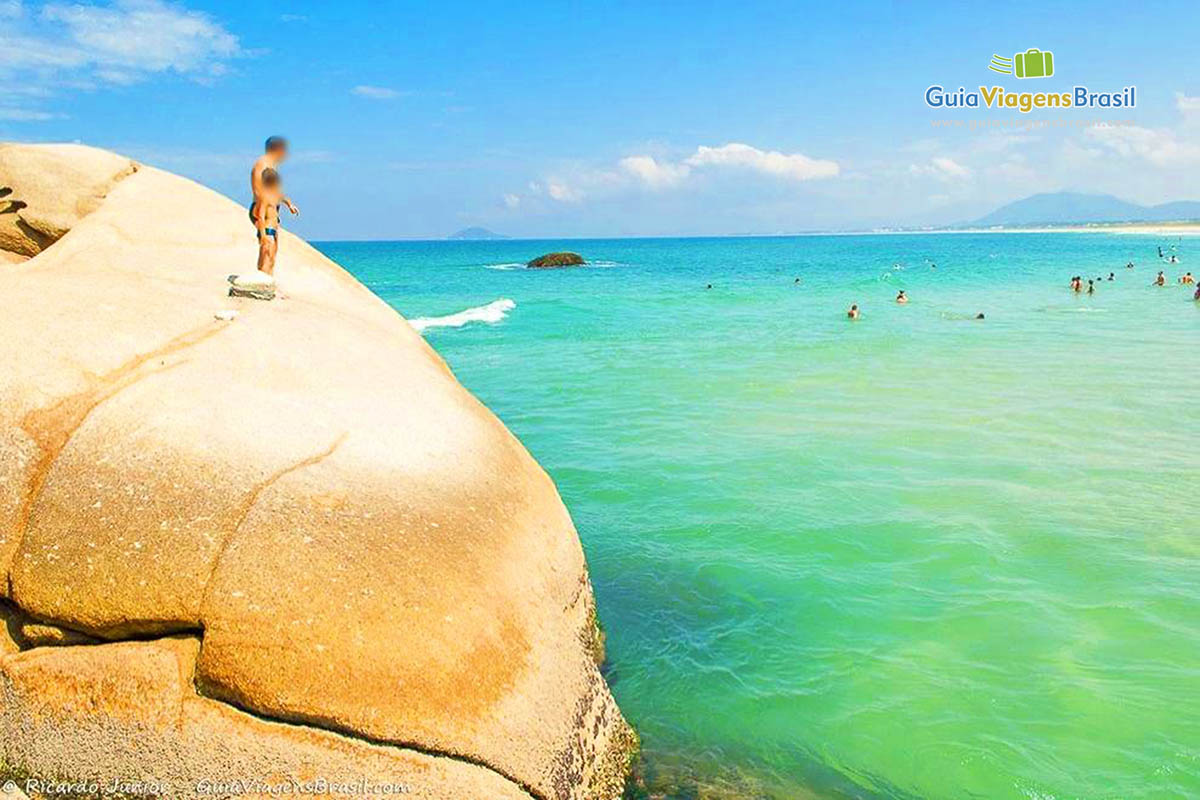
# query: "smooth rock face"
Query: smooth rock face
376,555
49,189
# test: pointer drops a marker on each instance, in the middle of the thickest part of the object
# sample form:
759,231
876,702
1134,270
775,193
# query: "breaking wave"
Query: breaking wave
491,313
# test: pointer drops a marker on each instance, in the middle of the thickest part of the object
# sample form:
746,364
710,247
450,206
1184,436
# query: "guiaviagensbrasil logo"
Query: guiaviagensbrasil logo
1031,63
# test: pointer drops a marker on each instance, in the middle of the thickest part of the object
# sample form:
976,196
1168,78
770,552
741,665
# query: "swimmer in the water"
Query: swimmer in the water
709,286
796,281
853,312
1077,284
1161,280
1129,265
1091,286
979,315
902,298
1187,280
1112,276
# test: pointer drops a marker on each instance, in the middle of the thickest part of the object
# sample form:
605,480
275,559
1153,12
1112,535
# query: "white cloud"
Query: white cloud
793,166
89,45
376,92
143,35
1162,147
22,115
1185,104
511,200
941,167
653,173
573,184
1176,146
950,167
563,192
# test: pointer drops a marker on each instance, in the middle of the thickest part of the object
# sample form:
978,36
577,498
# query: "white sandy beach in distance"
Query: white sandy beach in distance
1132,228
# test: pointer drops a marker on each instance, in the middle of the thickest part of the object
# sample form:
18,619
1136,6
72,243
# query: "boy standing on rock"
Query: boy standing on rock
264,184
266,220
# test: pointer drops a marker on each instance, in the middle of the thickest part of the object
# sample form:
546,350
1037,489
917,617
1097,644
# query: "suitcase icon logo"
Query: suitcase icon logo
1033,63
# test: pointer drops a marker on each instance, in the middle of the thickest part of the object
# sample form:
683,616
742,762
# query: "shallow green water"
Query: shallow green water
916,556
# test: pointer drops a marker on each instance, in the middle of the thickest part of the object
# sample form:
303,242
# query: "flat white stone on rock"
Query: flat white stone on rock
256,278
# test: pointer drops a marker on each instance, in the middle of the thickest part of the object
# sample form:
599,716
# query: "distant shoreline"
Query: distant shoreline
1131,228
1136,228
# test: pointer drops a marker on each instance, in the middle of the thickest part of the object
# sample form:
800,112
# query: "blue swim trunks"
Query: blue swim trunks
269,231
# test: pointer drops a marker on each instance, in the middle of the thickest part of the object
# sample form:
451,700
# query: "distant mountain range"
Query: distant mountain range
1062,208
476,233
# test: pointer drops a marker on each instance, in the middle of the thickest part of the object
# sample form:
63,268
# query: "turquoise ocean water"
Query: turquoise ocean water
915,556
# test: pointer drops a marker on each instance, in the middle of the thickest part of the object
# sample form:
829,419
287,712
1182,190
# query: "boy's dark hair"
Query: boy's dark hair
270,177
275,143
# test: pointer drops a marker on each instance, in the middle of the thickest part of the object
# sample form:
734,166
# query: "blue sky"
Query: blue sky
607,119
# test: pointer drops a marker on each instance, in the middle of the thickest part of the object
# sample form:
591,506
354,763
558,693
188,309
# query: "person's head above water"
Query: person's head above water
276,146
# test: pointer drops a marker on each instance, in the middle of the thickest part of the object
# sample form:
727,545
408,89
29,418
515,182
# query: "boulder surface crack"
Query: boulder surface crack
247,505
52,427
388,743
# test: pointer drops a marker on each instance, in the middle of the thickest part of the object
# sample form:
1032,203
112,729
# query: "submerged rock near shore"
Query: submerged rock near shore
374,581
552,260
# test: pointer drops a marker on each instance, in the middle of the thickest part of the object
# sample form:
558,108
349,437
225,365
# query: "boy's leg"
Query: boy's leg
264,252
272,249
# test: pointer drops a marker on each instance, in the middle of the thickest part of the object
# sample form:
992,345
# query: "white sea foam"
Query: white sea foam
518,265
491,313
1073,310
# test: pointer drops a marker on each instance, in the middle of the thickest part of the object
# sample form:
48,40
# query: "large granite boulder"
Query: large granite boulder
294,514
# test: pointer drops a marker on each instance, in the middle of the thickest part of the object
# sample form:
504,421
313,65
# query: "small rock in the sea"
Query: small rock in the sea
551,260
